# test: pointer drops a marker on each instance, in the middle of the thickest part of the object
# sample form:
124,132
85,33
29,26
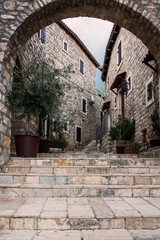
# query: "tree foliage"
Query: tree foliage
40,91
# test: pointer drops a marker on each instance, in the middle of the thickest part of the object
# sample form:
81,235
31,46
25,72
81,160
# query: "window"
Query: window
66,127
81,67
129,85
119,52
115,102
78,134
84,105
149,92
43,35
65,46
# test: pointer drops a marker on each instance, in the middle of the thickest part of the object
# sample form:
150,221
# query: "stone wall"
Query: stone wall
133,53
72,110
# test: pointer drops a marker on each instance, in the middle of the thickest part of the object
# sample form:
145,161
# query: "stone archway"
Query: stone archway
20,20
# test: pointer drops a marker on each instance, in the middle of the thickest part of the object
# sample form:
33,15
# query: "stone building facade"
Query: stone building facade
81,108
132,86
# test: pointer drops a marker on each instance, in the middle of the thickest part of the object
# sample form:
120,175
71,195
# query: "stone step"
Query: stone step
75,190
102,234
91,179
78,214
57,170
86,161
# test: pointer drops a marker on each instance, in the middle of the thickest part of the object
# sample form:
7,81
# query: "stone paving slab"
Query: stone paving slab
116,234
79,213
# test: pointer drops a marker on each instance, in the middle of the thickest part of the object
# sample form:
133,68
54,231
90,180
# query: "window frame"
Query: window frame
119,64
67,130
149,102
84,99
80,60
65,42
130,90
77,126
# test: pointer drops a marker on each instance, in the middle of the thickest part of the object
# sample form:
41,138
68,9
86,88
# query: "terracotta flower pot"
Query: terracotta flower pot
129,150
26,145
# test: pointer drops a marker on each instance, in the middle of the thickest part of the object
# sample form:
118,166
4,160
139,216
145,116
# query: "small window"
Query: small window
119,52
43,35
66,127
84,105
65,46
101,116
78,134
115,102
81,67
149,92
129,85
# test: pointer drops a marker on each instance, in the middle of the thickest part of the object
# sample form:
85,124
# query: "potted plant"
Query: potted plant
135,147
122,131
36,96
155,123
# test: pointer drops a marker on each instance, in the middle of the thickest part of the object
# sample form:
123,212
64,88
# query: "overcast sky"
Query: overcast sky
94,33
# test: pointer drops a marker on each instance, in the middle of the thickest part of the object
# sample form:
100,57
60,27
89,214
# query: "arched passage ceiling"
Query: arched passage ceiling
139,17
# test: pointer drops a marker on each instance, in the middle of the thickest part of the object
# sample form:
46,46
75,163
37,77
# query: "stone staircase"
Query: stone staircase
80,194
91,147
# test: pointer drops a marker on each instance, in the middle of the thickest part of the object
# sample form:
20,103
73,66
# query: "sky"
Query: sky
94,33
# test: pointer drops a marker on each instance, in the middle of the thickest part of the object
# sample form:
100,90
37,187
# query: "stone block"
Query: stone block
23,223
80,211
47,180
142,223
123,192
94,192
37,192
121,180
53,224
79,192
19,179
112,224
4,223
141,192
65,170
20,234
75,179
32,179
79,201
142,180
154,193
61,192
61,180
6,179
93,180
82,224
100,208
108,192
107,234
60,235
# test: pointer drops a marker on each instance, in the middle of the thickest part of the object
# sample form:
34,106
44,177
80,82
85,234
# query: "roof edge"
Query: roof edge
109,48
79,42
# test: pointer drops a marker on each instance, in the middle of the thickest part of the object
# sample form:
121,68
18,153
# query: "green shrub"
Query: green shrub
59,143
123,129
137,146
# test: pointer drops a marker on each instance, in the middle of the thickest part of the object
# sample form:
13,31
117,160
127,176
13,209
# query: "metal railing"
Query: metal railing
107,121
